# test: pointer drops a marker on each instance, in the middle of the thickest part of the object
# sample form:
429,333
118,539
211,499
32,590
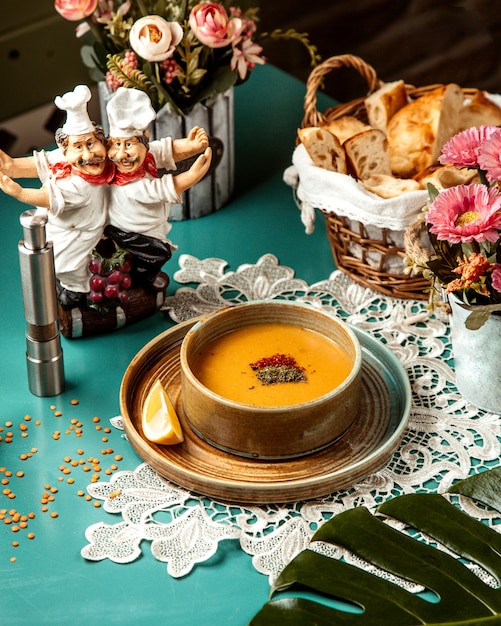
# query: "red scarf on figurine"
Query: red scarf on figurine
149,166
62,169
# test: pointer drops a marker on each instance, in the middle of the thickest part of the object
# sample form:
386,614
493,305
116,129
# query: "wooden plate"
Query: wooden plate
196,465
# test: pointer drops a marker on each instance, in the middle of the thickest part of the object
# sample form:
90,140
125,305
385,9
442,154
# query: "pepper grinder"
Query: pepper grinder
44,356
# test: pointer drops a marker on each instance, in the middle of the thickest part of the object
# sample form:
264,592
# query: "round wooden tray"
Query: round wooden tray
196,465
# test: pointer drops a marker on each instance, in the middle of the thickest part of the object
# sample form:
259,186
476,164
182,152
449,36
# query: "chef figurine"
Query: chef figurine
75,192
140,200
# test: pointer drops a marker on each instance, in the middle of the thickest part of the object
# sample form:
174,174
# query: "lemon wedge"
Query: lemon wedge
159,419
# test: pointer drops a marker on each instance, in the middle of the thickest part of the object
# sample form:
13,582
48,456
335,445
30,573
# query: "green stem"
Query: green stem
96,31
143,10
166,95
184,9
482,174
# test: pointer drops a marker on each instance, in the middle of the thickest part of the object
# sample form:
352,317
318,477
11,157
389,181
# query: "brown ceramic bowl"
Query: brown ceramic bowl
269,432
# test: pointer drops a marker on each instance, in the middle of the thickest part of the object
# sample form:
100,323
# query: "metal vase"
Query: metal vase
476,357
216,116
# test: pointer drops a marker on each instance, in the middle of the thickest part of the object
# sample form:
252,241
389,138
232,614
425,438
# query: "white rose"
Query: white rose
154,39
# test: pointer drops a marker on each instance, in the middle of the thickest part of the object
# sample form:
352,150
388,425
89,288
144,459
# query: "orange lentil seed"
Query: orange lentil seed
31,535
54,514
74,401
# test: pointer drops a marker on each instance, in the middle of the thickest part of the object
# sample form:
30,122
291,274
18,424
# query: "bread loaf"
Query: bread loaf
417,132
382,105
389,186
367,153
345,127
324,148
446,176
479,110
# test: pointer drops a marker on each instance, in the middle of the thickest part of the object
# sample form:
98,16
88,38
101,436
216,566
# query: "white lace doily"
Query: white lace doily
446,438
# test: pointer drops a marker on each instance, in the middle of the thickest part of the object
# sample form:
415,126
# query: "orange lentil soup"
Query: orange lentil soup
224,365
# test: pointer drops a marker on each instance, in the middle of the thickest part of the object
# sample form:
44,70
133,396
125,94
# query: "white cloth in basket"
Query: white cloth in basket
318,188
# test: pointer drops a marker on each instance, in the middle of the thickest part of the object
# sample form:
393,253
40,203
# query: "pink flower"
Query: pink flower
155,39
212,26
466,213
246,57
75,10
463,149
496,277
489,158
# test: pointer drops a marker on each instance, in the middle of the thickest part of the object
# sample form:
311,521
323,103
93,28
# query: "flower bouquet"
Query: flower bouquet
179,52
463,224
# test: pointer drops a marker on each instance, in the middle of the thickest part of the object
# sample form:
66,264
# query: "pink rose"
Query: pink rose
212,26
154,39
75,10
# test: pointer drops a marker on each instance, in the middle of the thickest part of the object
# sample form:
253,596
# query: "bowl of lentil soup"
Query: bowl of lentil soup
270,379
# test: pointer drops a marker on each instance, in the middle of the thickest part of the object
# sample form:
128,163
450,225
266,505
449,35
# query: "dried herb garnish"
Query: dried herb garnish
278,368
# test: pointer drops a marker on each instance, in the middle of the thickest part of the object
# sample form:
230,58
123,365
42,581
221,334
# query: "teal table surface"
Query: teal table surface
44,579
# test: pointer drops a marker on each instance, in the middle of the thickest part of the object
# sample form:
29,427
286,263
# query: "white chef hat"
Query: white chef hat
129,112
74,103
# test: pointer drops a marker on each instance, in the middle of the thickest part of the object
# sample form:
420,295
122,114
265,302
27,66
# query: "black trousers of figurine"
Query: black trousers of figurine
149,253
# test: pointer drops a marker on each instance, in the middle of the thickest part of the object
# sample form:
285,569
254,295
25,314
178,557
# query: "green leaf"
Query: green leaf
316,589
480,314
484,487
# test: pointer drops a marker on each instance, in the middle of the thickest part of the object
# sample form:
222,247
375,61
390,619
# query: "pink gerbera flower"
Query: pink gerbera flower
463,149
496,277
466,213
489,158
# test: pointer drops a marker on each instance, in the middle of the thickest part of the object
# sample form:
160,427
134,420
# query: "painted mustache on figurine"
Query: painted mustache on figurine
91,161
125,161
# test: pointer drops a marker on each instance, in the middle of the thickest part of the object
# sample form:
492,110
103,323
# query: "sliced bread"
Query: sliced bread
382,105
367,153
324,148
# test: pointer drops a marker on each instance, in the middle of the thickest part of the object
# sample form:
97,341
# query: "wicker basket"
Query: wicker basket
370,255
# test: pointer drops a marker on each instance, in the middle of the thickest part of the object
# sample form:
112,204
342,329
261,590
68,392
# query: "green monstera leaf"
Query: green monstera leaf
317,589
